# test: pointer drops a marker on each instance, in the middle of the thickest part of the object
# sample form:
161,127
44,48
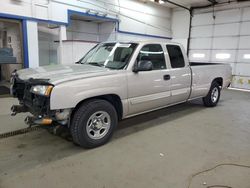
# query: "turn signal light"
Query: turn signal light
46,121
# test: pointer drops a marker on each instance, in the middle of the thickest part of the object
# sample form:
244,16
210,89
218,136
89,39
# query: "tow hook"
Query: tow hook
31,120
17,109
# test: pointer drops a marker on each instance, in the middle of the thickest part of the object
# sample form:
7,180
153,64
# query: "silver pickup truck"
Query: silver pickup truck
113,81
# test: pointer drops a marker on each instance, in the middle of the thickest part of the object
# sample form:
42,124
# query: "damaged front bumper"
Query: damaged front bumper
37,105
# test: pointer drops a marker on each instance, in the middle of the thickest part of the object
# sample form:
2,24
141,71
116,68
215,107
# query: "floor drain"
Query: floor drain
18,132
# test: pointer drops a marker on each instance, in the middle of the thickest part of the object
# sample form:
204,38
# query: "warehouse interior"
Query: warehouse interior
185,145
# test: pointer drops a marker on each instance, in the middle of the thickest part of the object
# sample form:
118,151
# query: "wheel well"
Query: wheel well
114,99
219,80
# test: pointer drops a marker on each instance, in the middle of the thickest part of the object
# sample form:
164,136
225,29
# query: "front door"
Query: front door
148,90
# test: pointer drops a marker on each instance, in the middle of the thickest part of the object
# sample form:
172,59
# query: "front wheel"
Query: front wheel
93,123
213,95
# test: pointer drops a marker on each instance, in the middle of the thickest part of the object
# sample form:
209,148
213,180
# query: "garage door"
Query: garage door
223,39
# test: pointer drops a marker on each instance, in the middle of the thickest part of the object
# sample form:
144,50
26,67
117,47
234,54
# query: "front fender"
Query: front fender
68,95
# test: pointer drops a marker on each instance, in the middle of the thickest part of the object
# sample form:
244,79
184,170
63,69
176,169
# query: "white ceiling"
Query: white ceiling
189,3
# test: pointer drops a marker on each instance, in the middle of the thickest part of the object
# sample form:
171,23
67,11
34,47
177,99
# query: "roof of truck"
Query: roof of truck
145,42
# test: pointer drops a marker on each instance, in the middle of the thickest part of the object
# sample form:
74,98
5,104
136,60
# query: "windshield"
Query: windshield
109,55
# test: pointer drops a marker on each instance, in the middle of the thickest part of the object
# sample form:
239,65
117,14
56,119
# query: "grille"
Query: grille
28,96
37,105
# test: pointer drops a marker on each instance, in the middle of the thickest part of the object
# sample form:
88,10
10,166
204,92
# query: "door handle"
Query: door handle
166,77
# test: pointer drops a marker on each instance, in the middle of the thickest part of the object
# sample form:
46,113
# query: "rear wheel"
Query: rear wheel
213,95
94,123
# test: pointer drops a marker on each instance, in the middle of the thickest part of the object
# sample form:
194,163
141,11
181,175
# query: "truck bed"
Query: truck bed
204,73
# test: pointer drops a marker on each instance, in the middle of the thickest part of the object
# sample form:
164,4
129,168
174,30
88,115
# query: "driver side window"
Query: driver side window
153,53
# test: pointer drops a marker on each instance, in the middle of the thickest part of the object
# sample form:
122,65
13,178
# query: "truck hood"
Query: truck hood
62,73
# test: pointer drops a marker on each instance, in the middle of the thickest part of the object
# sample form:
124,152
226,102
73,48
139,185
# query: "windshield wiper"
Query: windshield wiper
95,64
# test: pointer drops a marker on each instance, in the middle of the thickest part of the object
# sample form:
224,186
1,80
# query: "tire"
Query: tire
93,123
213,95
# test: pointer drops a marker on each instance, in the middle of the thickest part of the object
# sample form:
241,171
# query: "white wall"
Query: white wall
82,36
82,30
73,51
135,16
91,31
32,37
145,18
47,45
180,26
107,31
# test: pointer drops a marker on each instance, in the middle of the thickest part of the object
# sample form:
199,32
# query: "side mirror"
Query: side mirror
143,65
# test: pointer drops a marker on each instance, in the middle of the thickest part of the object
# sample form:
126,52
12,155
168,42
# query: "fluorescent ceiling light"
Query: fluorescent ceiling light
101,14
161,2
246,56
223,56
91,12
196,55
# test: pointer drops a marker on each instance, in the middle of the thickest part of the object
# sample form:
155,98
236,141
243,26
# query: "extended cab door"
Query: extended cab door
180,74
148,90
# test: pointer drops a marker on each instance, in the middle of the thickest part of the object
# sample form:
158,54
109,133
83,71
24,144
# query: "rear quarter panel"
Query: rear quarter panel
203,75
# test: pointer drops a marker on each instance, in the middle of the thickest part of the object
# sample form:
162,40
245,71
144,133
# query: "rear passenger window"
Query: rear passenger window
153,53
176,56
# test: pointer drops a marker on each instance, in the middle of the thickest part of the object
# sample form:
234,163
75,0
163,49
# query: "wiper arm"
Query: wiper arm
95,64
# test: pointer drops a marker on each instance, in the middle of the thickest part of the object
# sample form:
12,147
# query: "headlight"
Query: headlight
41,89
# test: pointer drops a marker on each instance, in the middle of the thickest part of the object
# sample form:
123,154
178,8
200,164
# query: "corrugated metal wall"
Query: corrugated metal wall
224,37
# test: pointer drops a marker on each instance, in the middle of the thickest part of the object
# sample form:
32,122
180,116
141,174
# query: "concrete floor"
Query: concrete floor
161,149
7,122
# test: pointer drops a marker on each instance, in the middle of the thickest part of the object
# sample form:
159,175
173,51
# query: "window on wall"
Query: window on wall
176,56
153,53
